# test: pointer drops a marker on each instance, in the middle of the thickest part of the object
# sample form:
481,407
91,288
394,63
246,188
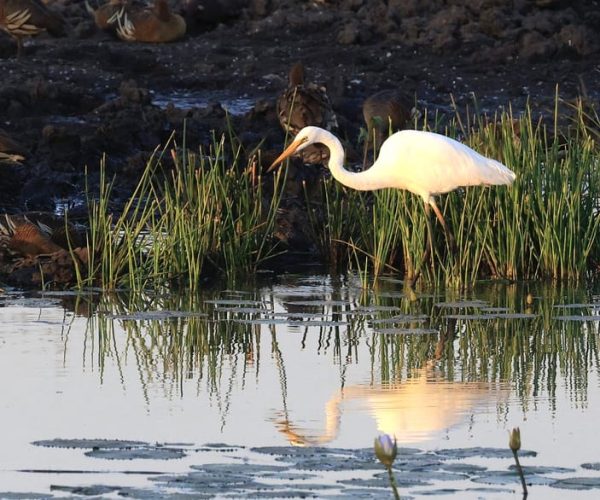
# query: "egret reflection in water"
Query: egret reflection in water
414,410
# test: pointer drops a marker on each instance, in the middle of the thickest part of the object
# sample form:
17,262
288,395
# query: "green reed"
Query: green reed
207,214
543,226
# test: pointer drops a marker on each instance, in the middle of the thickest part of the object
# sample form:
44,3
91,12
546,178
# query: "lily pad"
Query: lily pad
577,483
153,453
471,317
241,310
317,323
461,304
460,453
156,315
90,443
515,315
234,302
591,466
510,477
312,303
406,331
577,318
262,321
16,495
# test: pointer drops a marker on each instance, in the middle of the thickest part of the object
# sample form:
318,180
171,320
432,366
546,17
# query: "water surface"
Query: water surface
304,361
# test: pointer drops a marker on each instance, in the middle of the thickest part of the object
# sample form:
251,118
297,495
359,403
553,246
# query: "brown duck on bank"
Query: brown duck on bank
20,18
152,25
384,112
303,104
105,16
37,233
11,150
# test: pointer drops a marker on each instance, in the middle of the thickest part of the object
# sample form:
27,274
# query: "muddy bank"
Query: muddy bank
75,101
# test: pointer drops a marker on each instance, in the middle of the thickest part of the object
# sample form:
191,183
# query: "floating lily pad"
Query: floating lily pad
460,453
541,469
362,493
90,443
242,469
463,467
312,303
578,306
376,308
461,304
154,453
577,483
426,475
406,331
591,466
156,315
241,310
93,490
37,303
441,492
494,309
383,482
397,321
510,477
234,302
317,323
15,495
262,321
471,317
577,318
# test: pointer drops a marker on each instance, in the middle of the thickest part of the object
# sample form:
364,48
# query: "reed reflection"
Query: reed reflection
486,352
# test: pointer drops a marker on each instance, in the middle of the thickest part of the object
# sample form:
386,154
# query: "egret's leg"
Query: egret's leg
440,217
429,250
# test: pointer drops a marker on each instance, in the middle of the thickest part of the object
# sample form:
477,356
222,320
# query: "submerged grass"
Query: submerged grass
213,212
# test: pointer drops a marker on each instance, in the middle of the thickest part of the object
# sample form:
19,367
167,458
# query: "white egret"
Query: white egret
424,163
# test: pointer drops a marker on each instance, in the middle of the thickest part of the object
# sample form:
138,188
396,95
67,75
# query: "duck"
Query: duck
10,149
384,112
151,25
20,18
38,233
302,104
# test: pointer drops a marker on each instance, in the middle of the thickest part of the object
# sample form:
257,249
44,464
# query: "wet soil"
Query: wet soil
75,100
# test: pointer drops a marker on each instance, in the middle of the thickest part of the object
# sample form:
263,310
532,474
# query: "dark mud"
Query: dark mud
72,101
87,98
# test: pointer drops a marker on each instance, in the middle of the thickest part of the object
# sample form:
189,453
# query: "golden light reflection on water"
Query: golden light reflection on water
413,410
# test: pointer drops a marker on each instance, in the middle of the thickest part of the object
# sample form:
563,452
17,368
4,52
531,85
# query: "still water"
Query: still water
293,363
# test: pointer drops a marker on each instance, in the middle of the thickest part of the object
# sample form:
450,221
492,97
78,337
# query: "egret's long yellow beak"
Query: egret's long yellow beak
289,151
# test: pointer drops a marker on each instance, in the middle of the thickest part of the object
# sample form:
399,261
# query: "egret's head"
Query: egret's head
306,136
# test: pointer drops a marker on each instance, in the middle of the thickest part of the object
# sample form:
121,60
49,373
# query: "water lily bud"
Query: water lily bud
386,449
514,440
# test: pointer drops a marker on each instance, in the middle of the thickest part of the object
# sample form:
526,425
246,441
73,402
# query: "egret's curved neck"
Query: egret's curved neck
361,181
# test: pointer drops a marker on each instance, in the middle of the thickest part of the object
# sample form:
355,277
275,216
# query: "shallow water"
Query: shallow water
310,361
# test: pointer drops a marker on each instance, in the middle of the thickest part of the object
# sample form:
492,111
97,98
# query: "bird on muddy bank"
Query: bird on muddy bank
425,163
302,104
21,18
11,150
384,111
156,24
38,233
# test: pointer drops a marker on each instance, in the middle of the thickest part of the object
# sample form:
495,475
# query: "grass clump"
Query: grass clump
212,212
206,215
